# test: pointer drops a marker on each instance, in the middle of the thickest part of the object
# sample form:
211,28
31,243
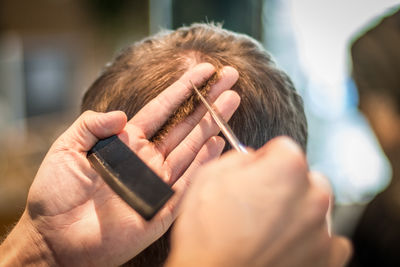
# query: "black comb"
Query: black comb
129,176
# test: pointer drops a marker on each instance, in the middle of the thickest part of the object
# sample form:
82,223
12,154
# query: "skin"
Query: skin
261,209
73,218
266,200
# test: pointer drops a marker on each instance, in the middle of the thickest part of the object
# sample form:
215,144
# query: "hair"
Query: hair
376,60
270,105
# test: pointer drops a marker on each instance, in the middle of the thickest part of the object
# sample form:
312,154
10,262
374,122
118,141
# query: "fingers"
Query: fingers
90,127
152,116
322,184
284,159
182,156
210,150
228,78
284,146
340,252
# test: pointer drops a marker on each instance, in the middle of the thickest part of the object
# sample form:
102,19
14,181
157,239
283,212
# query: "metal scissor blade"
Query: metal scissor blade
222,124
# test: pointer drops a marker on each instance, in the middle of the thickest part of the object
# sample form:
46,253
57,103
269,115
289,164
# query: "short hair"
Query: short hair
270,105
376,59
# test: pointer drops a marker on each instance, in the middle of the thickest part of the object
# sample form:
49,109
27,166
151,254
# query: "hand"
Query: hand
80,219
261,209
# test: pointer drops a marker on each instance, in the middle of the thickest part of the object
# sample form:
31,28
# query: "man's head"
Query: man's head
269,107
376,65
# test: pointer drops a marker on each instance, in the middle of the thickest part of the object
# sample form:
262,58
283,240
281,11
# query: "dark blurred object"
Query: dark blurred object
118,18
376,71
236,15
107,11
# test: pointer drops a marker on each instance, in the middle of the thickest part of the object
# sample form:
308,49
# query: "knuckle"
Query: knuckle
186,182
298,162
288,145
191,121
322,200
318,208
192,146
296,180
168,172
321,181
87,118
294,155
88,113
296,171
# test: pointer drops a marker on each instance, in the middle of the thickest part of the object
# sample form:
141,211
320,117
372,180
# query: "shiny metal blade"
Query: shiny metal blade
222,124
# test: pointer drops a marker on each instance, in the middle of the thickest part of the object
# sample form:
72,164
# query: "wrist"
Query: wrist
25,245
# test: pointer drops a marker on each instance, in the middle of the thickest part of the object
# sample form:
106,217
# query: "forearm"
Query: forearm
25,246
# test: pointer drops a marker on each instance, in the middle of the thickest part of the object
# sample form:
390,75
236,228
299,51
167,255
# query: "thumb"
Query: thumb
89,128
340,252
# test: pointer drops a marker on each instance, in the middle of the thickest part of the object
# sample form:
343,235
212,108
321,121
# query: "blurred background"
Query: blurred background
51,51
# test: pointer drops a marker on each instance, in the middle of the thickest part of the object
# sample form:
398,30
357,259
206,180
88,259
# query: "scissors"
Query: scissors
222,124
132,179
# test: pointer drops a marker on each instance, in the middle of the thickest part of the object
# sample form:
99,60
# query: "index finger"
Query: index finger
153,115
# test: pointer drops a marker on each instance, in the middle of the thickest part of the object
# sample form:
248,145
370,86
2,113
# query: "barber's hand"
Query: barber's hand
79,218
261,209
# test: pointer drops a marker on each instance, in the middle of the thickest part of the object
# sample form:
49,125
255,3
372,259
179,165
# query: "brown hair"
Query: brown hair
270,106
